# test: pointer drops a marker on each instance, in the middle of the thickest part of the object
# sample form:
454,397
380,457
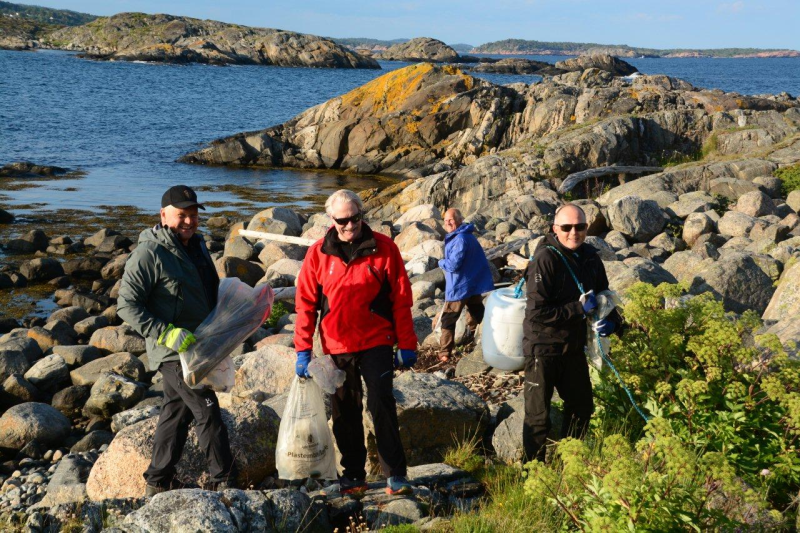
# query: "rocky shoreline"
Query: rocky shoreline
78,402
172,39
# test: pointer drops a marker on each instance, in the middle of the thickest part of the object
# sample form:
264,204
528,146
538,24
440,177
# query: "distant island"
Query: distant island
377,45
44,15
523,47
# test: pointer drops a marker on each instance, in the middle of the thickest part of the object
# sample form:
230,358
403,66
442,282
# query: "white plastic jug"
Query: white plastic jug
501,336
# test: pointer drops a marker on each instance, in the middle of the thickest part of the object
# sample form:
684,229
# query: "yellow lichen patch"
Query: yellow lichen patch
412,127
387,93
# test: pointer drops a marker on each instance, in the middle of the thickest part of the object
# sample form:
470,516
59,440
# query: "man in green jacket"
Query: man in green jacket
169,287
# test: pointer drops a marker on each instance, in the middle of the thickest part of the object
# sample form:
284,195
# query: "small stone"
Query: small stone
57,456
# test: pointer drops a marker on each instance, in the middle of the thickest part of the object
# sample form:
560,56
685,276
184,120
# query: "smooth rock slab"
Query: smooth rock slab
253,432
786,300
431,412
68,483
32,421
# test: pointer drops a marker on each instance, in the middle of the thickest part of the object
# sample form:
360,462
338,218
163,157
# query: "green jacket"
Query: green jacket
161,286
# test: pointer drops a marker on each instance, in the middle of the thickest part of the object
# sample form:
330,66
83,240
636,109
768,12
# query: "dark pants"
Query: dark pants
450,314
569,375
181,405
376,366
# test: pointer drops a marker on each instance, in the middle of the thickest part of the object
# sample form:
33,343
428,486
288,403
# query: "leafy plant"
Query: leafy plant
721,204
790,178
718,386
278,310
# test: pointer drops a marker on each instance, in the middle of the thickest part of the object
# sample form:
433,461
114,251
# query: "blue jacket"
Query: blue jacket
466,269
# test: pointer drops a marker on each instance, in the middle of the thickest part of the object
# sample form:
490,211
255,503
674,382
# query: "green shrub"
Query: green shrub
661,484
278,310
717,386
790,178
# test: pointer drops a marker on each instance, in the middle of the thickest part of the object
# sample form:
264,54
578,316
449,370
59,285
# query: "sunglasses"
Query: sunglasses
355,219
566,228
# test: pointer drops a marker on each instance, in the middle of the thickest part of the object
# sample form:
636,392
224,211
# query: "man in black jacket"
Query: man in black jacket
555,329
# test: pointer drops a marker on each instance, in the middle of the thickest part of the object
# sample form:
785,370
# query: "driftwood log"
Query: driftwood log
575,178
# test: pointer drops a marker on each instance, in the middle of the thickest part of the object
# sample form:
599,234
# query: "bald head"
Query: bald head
570,226
452,219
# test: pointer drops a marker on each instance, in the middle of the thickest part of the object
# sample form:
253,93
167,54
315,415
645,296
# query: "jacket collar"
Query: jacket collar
466,227
367,247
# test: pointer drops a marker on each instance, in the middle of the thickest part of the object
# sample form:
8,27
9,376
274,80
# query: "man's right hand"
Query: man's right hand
589,302
176,339
301,366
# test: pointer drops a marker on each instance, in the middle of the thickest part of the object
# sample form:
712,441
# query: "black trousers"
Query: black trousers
569,375
376,366
181,405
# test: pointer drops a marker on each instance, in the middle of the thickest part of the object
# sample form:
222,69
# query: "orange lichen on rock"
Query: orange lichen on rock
389,92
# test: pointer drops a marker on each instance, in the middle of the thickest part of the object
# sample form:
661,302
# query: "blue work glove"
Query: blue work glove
405,358
605,327
301,366
589,302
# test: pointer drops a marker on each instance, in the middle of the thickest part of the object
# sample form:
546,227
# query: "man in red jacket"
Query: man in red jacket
355,280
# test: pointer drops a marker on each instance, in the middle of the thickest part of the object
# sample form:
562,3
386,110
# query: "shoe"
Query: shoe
152,490
352,486
225,485
398,485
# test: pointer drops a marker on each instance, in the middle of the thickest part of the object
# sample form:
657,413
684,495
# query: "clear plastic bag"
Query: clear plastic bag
222,377
305,443
324,371
607,301
240,310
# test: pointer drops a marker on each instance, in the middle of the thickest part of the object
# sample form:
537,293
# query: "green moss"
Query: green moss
790,178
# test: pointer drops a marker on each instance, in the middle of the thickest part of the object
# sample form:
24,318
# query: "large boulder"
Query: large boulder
71,315
273,252
431,412
70,401
112,394
41,269
785,302
77,355
269,370
420,49
114,339
623,274
414,234
755,204
737,280
233,267
695,225
68,484
637,219
606,62
123,363
12,362
26,422
49,373
252,430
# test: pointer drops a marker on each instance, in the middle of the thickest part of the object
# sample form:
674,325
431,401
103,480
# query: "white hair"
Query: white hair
343,195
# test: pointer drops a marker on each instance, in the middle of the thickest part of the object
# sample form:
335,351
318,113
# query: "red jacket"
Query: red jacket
363,303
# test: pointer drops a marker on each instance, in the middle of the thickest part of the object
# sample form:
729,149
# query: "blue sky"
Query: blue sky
663,24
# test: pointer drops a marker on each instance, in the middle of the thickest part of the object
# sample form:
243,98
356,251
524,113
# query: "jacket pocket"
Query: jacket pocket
548,350
175,291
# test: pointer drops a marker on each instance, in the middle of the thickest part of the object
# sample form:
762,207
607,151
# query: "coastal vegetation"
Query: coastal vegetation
45,15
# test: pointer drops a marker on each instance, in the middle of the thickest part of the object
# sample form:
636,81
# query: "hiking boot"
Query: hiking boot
152,490
398,485
352,486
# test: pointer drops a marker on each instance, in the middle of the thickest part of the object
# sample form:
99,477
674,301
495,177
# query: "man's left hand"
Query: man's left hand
405,358
605,327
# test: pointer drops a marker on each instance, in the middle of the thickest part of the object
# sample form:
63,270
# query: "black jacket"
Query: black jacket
554,320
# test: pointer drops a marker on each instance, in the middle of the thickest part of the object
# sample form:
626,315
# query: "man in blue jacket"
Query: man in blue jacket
467,276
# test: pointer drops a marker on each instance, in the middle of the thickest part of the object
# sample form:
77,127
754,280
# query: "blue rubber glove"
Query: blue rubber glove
405,358
605,327
301,366
589,301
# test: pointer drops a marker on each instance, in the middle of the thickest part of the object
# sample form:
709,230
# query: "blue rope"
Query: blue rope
606,358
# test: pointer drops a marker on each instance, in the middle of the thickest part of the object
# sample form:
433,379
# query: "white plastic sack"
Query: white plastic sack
240,310
606,302
325,373
305,443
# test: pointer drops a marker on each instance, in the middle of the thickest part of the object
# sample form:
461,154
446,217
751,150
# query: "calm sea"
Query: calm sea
126,123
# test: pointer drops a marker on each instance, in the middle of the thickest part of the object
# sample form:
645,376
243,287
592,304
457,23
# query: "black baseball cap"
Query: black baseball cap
180,196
